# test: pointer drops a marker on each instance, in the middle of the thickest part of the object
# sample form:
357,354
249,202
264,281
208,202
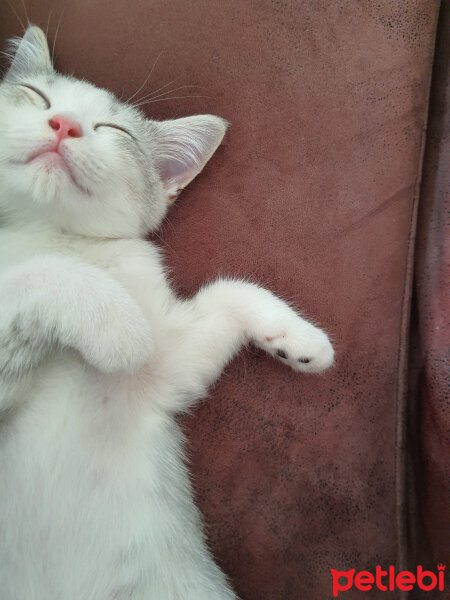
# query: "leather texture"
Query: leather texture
313,193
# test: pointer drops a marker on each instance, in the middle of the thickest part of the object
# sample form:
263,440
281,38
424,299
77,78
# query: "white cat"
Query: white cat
97,354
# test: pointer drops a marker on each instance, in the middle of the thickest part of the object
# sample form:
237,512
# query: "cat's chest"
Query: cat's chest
136,264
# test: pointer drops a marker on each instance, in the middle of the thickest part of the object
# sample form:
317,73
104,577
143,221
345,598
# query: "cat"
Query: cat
97,353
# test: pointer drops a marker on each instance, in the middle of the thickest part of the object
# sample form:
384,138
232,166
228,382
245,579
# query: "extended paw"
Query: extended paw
298,344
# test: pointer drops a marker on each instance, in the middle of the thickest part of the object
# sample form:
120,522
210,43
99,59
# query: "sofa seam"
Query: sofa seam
403,351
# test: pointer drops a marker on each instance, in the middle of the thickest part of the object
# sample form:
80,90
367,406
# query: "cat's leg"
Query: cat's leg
238,312
227,314
58,300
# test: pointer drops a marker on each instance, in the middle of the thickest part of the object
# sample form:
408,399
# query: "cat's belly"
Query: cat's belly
94,491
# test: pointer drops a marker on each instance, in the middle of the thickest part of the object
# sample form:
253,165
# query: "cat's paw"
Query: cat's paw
297,343
119,346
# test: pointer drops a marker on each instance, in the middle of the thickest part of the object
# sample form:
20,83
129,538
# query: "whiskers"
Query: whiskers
158,89
48,22
27,22
153,97
127,101
16,14
57,31
161,93
26,12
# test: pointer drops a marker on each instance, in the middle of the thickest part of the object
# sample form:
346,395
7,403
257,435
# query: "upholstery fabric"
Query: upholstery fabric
314,193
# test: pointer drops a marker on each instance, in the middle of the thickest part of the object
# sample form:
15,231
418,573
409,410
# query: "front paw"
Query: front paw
119,347
297,343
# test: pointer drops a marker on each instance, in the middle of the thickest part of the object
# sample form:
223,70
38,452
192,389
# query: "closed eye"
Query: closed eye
38,92
114,126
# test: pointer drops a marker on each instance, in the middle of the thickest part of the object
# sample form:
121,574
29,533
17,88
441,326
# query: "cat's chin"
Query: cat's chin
54,165
44,174
50,169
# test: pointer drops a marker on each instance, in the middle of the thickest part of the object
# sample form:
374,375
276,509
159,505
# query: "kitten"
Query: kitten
97,354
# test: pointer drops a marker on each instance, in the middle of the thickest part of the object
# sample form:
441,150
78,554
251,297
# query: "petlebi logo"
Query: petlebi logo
389,579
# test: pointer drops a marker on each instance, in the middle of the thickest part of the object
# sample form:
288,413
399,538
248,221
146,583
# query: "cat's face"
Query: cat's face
72,154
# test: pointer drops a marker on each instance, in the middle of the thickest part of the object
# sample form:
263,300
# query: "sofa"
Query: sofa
330,188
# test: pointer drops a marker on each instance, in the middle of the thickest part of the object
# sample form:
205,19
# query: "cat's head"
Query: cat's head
74,155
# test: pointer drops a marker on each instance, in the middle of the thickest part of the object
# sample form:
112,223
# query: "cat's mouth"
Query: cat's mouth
53,158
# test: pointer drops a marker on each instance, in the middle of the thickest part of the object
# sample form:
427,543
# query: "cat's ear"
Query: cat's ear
184,146
29,55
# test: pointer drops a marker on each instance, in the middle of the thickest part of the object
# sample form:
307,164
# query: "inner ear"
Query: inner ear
184,146
29,55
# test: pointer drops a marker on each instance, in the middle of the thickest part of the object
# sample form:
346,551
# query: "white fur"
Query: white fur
97,354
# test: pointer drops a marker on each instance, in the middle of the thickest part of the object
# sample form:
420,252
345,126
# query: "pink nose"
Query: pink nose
65,127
